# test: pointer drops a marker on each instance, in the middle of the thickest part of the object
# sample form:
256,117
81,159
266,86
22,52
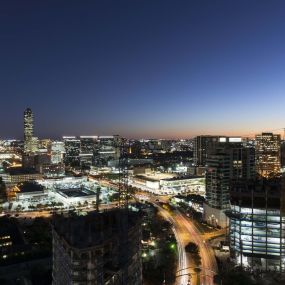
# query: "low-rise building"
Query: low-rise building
15,175
75,196
27,191
168,183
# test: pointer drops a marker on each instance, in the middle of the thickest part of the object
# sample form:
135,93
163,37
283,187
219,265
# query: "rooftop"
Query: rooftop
75,192
27,187
94,228
21,171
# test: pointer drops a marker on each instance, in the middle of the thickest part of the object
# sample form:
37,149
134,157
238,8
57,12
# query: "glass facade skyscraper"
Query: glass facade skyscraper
28,130
257,224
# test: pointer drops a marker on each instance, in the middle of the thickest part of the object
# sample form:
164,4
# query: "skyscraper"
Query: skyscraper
268,154
230,160
28,130
202,146
72,151
87,149
56,151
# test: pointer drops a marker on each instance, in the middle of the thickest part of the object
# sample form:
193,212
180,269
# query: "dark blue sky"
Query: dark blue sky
155,68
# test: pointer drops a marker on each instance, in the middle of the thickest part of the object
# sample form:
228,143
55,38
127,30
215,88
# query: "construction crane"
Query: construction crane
123,173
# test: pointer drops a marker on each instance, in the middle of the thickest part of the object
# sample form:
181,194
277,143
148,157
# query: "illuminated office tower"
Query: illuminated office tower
87,150
72,151
107,149
56,151
268,154
28,131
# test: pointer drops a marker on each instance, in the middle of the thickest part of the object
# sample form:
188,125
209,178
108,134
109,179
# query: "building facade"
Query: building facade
100,248
230,160
257,224
28,130
56,151
72,151
268,154
17,175
202,146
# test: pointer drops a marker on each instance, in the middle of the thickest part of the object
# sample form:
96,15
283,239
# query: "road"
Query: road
183,259
185,231
47,213
209,265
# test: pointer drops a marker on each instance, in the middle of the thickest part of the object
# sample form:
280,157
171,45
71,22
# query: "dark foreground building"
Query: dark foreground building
99,248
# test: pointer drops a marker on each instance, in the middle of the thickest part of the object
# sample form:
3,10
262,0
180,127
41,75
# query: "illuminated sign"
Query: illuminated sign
234,139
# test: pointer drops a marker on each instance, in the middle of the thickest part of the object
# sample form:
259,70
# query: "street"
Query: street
185,231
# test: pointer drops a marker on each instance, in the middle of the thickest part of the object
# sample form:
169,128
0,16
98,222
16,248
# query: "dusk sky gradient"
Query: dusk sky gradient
142,68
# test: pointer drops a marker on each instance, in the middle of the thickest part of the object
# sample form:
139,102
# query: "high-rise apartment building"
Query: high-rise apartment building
203,145
229,160
268,154
257,223
99,248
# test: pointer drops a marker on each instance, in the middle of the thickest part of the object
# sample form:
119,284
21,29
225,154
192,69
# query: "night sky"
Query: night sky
142,68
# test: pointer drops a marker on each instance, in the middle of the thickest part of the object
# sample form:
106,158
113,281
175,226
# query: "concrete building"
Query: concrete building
99,248
17,175
268,154
257,224
166,183
75,196
230,160
28,190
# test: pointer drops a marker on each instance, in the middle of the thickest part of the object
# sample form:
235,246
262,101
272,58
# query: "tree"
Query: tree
192,247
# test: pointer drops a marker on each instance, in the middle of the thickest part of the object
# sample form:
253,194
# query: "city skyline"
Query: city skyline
76,134
142,142
143,69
